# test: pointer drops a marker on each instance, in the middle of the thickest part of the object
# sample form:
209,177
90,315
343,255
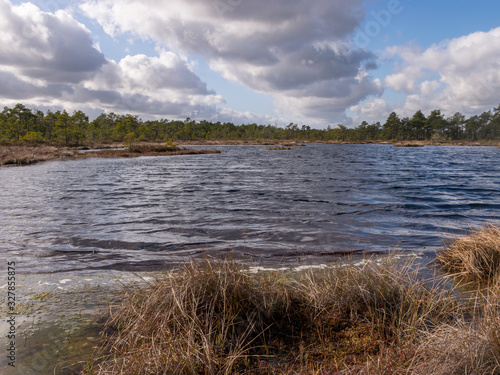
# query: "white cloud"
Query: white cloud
375,109
49,60
458,75
316,109
154,84
292,50
462,74
53,48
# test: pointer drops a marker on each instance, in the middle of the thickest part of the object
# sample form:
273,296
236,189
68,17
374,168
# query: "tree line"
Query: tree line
23,124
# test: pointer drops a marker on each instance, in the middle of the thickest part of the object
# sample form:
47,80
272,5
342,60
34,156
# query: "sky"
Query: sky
312,62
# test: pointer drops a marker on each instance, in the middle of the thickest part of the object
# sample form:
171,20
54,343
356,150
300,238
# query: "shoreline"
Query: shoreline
360,330
28,154
19,154
60,316
298,142
378,316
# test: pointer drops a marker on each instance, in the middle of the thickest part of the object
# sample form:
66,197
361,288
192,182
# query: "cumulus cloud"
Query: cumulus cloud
461,74
314,108
49,47
374,109
150,75
49,59
458,74
290,49
152,85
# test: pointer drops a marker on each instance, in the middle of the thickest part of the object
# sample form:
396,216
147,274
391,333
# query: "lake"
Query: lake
302,206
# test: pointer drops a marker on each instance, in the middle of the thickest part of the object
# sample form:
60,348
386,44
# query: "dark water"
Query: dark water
262,206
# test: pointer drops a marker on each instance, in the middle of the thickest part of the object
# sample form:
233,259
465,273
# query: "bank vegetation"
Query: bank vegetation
27,153
380,316
24,124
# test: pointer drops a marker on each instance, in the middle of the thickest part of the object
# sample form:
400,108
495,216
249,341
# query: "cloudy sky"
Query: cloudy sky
314,62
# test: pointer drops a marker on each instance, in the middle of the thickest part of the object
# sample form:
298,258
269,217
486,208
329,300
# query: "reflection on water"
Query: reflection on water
264,206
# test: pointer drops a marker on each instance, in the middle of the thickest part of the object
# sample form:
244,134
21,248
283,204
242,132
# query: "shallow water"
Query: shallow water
262,206
58,319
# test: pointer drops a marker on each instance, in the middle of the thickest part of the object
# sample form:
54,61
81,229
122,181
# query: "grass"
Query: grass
216,318
474,258
32,153
471,345
377,317
26,154
279,148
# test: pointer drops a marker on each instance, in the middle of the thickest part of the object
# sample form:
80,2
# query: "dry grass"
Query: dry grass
26,154
378,317
148,150
216,318
202,319
474,258
466,347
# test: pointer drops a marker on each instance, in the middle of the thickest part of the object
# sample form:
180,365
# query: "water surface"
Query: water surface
262,206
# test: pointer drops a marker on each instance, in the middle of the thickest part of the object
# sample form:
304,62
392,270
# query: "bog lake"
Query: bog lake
77,230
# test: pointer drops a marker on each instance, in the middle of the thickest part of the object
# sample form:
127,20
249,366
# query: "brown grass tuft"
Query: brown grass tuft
465,347
474,258
377,317
26,154
217,318
204,318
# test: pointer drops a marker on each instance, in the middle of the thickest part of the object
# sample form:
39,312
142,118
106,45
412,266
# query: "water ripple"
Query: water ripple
302,206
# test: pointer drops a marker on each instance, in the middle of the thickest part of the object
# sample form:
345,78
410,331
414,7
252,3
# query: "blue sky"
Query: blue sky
314,62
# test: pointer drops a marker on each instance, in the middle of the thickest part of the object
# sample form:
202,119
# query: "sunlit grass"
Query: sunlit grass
216,318
474,258
376,317
32,153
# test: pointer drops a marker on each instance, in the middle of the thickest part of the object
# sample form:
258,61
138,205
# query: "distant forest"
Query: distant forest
23,124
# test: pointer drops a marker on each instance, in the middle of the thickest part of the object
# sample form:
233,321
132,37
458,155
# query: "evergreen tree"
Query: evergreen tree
417,126
392,127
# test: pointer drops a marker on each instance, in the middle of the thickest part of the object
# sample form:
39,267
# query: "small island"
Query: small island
17,154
